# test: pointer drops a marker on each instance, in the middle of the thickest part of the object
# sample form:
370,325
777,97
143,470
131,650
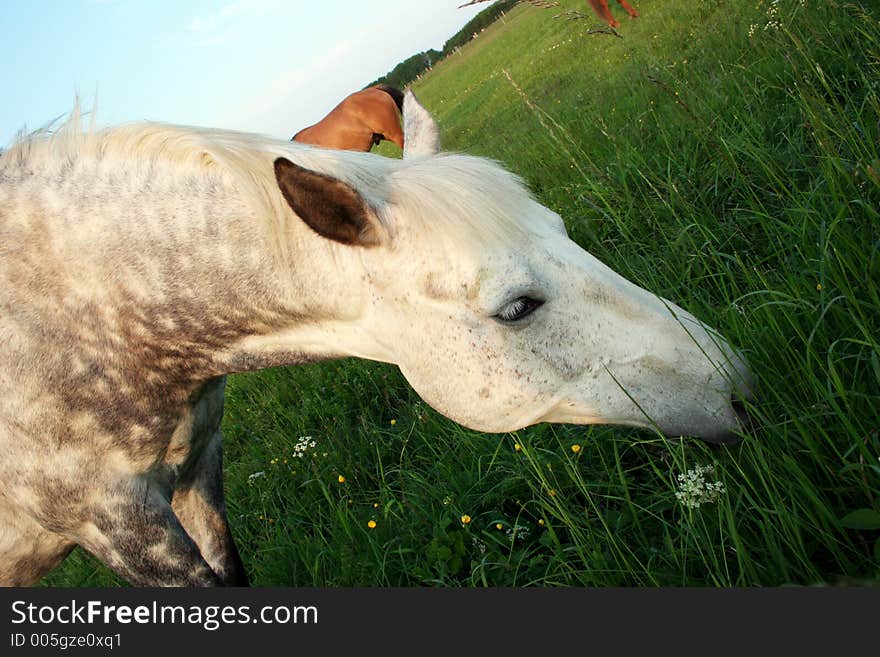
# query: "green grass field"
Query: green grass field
719,154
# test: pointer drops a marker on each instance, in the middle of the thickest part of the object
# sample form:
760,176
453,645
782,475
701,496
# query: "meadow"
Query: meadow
723,154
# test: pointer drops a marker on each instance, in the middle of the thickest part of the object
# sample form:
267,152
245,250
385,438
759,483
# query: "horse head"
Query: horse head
496,317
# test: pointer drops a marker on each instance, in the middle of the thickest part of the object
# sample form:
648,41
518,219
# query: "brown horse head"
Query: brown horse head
360,121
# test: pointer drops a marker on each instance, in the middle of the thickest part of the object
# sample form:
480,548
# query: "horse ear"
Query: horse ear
421,136
330,207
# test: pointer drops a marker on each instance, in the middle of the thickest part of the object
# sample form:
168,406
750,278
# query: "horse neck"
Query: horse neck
174,269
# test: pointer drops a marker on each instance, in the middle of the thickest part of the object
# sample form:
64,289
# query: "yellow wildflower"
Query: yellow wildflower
341,479
465,519
575,448
517,447
371,524
499,526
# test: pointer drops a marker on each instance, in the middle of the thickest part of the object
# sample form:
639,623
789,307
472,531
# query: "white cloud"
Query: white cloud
280,109
218,26
311,86
250,8
203,23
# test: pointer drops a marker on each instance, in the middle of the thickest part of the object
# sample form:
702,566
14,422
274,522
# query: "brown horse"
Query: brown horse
601,8
360,121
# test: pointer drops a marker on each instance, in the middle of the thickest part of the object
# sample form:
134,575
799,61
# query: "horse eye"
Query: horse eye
518,309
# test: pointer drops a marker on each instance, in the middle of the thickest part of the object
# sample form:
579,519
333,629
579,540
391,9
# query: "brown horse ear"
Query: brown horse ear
330,207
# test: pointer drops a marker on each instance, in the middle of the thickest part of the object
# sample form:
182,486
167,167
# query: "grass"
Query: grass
734,170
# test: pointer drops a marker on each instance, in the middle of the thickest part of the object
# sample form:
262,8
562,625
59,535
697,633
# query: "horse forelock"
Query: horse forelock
467,203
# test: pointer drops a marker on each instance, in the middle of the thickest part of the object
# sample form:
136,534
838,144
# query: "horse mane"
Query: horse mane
395,93
435,194
238,160
440,195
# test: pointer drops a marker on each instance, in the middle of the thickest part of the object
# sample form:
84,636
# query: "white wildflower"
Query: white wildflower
518,532
694,490
302,446
772,15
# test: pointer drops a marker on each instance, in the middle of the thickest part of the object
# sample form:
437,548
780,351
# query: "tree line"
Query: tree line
412,67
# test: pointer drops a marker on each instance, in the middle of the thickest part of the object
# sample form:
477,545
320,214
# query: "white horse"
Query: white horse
141,264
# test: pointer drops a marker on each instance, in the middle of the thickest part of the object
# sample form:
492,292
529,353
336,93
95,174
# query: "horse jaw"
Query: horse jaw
421,136
600,350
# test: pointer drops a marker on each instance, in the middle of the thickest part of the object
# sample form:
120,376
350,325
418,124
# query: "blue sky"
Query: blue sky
270,66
